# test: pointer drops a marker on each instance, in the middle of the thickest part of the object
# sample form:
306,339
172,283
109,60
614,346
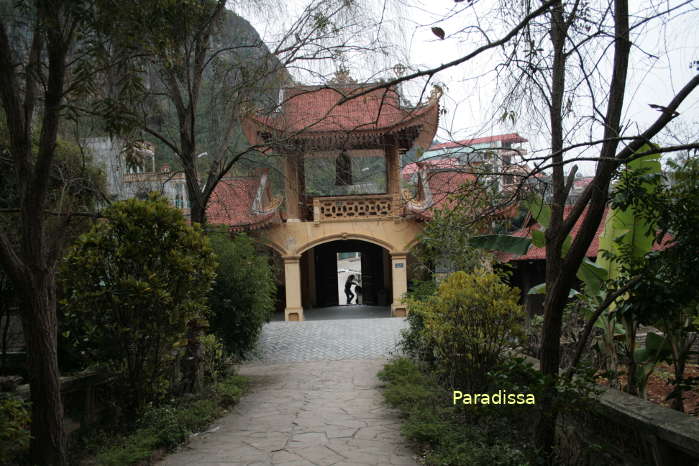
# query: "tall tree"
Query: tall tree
565,66
43,66
32,86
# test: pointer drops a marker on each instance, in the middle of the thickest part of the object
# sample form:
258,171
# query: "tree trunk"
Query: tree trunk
38,304
545,431
677,401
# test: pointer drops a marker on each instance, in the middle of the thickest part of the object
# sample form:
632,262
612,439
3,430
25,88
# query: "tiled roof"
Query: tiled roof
511,137
536,253
434,164
316,109
231,204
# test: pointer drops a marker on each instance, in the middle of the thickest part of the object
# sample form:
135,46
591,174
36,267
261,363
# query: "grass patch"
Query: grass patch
452,435
164,427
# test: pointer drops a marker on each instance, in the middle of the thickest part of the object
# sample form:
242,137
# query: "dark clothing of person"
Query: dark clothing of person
350,295
348,289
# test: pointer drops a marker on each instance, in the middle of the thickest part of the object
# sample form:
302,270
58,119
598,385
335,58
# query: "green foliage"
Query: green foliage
230,390
470,324
459,434
414,341
504,243
169,425
445,242
625,231
666,296
132,284
14,428
213,357
451,434
242,299
590,273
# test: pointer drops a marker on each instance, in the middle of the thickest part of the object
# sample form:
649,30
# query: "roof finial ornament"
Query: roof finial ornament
436,93
342,76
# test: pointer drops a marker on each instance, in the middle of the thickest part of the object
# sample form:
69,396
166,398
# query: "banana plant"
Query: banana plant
590,273
626,239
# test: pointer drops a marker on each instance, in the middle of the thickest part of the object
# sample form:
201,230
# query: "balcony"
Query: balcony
349,208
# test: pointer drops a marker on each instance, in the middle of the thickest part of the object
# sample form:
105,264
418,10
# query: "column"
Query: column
399,272
292,282
291,187
392,167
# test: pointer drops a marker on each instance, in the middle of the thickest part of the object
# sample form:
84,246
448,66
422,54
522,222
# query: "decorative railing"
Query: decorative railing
345,208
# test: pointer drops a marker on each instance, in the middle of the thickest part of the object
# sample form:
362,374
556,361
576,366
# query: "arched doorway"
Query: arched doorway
325,266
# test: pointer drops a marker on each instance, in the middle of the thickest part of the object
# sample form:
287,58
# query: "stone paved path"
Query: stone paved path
328,340
318,413
310,412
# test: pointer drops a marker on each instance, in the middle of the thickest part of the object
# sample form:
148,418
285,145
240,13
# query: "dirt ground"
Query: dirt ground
659,387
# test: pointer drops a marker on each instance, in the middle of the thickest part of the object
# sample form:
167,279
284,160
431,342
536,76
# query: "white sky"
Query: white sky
470,89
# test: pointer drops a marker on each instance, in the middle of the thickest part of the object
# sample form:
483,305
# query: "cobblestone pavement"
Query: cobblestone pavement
352,311
328,340
315,413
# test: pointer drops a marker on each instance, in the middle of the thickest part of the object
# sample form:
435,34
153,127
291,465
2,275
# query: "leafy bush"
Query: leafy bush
243,294
14,428
412,341
470,324
213,357
230,390
133,282
451,435
169,425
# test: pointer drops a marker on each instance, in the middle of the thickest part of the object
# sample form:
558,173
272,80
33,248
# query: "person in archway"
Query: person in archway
348,288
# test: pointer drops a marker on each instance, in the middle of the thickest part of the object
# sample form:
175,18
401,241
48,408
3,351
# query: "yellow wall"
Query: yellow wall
292,239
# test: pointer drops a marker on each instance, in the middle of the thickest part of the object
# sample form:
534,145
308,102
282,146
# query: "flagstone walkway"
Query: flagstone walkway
315,413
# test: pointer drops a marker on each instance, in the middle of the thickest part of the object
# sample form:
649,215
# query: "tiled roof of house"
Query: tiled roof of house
511,137
434,164
536,253
440,185
232,202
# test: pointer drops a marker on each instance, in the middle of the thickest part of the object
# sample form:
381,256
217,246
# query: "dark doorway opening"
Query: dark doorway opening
322,285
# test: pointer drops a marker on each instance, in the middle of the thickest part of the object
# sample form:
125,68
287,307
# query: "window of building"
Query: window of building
343,170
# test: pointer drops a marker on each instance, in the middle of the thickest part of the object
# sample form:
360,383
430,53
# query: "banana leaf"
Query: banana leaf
504,243
623,228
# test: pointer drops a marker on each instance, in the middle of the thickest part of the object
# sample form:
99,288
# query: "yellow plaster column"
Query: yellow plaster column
292,279
392,167
399,273
291,187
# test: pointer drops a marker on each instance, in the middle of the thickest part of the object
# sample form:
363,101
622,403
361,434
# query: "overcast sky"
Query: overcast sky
470,90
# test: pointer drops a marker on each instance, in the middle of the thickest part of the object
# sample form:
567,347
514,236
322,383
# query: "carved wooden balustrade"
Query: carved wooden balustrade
360,207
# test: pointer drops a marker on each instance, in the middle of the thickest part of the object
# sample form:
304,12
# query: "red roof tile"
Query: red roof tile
511,137
315,109
441,185
536,253
433,164
231,204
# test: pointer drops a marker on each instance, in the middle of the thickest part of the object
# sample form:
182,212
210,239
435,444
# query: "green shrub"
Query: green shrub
169,425
198,414
132,284
414,341
14,428
454,435
138,448
230,390
242,299
470,324
213,357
